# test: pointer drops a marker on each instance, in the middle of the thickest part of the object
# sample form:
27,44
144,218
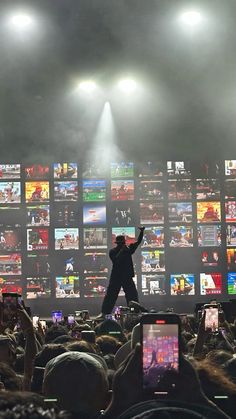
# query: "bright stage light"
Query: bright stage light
191,18
87,86
20,21
127,85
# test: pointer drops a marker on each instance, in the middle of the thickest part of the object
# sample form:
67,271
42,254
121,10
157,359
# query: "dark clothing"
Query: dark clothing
121,275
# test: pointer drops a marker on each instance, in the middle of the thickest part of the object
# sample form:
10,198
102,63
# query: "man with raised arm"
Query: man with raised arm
122,273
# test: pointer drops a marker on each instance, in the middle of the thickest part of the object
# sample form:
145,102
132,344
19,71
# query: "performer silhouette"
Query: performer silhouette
122,273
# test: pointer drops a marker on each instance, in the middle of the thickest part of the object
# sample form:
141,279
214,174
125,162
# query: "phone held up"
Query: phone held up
160,341
211,317
10,303
57,316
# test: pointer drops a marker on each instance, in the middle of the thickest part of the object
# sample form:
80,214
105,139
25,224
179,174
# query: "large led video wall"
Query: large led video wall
58,222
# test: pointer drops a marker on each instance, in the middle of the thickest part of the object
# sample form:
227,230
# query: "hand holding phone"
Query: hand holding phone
211,317
9,307
71,320
57,316
160,340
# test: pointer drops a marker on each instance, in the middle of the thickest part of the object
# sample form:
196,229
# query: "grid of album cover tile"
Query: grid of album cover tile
58,222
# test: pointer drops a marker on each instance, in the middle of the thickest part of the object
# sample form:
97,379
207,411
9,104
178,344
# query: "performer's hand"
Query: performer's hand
141,228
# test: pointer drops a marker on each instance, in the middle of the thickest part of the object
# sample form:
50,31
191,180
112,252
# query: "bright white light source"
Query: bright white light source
21,21
127,85
107,106
87,86
191,18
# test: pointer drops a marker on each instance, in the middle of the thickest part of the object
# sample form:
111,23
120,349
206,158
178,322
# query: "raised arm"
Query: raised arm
140,237
134,245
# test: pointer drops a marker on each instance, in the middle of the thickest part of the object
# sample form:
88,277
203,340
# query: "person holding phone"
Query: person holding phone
122,273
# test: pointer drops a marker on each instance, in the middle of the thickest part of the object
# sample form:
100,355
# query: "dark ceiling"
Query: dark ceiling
189,79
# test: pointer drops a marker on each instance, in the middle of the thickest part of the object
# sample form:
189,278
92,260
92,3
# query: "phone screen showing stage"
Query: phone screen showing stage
160,354
212,319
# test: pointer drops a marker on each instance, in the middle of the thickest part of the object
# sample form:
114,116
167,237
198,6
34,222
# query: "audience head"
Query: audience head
48,352
54,331
108,344
9,378
81,346
78,381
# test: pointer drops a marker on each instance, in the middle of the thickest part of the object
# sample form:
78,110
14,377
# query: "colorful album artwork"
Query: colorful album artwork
232,283
230,188
230,211
180,212
153,284
122,169
181,236
230,167
37,191
179,189
38,288
151,190
231,259
207,189
178,168
95,262
65,170
38,215
67,286
122,190
182,284
10,192
10,285
153,237
94,190
37,239
9,171
153,260
68,264
208,212
10,238
66,191
95,238
95,286
127,232
123,214
210,283
231,234
66,238
10,264
37,171
151,169
210,257
151,213
209,235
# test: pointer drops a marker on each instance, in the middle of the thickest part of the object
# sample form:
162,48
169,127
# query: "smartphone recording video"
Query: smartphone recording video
35,321
10,304
71,319
211,318
57,316
160,335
